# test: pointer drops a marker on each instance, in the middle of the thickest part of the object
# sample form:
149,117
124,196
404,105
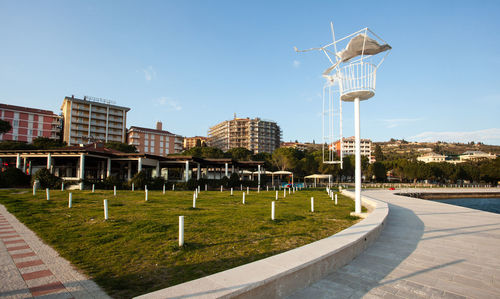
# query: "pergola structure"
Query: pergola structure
95,162
319,177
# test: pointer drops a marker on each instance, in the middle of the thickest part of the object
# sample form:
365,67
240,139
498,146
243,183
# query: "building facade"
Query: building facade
190,142
29,123
432,158
476,156
154,141
349,147
256,135
296,145
93,119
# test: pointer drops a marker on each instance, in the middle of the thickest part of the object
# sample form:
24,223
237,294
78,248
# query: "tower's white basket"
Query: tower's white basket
357,80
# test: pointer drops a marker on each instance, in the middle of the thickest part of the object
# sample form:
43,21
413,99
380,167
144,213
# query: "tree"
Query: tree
240,153
198,143
5,126
47,143
122,147
379,155
378,170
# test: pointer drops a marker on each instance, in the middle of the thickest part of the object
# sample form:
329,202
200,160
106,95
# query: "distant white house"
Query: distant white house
476,156
432,158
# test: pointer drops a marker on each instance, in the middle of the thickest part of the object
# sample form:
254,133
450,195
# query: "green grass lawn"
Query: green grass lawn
136,250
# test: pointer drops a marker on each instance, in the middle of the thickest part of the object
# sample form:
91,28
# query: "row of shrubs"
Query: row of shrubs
13,177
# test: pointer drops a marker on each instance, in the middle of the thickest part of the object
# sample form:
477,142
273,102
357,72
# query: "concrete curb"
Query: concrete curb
282,274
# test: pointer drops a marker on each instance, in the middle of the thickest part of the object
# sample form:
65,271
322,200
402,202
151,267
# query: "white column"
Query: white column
258,174
24,165
357,174
139,165
157,168
181,231
129,170
187,171
18,161
226,170
108,168
198,171
82,170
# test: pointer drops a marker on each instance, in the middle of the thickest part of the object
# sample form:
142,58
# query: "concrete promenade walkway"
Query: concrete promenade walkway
426,250
29,268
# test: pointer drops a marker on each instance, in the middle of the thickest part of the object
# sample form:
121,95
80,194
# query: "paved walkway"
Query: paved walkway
29,268
427,250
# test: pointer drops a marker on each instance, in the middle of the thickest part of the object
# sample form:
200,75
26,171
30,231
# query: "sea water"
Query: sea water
483,204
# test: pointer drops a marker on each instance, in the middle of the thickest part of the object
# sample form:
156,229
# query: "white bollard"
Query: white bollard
163,188
248,190
258,189
289,191
196,192
206,187
199,189
93,188
220,188
284,193
173,187
231,191
70,200
241,187
105,209
146,195
276,195
133,187
34,189
114,190
293,190
335,199
62,186
312,204
47,193
267,188
194,200
145,188
272,210
181,231
243,197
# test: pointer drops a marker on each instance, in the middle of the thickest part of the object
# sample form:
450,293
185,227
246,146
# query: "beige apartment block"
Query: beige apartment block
349,147
190,142
256,135
154,141
93,119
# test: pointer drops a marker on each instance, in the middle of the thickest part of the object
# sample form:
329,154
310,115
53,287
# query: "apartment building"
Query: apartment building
29,123
256,135
349,147
93,119
154,141
190,142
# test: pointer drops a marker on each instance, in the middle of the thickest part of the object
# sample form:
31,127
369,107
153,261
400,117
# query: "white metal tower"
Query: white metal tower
354,70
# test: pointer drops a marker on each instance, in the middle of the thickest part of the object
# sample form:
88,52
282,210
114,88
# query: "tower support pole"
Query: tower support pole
357,174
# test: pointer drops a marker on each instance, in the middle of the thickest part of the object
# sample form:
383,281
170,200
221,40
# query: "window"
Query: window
15,123
152,143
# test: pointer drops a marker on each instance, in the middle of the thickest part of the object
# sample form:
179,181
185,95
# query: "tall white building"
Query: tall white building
349,148
93,119
256,135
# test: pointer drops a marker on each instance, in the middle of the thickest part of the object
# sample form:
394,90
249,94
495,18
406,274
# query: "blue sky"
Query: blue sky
192,64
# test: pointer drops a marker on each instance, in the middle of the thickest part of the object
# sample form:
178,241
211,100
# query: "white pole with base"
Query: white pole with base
181,231
105,209
272,210
70,200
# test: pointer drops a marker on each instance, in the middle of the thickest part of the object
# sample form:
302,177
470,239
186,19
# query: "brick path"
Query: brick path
426,250
30,268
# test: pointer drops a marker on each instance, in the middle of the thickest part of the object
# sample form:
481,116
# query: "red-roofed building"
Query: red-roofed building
29,123
154,141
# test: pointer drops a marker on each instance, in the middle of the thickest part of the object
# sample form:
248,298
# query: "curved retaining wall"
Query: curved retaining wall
282,274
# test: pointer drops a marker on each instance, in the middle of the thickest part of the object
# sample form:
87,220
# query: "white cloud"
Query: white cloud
396,122
172,104
488,136
149,73
296,63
